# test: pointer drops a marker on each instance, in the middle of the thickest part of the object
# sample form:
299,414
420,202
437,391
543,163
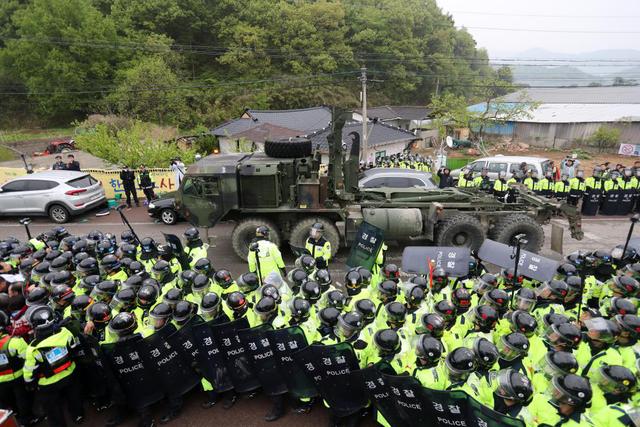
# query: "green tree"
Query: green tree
605,138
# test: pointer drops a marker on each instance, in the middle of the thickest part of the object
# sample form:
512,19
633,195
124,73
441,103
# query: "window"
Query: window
497,167
477,166
20,185
82,182
374,183
39,185
202,186
515,167
381,154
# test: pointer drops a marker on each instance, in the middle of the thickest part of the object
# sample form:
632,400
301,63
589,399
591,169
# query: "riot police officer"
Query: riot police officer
318,246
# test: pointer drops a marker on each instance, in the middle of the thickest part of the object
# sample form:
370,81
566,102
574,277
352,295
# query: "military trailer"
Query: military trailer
288,189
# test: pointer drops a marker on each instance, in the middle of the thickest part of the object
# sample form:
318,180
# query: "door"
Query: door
39,193
12,196
202,200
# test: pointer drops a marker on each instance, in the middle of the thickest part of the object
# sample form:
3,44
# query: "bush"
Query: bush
605,137
205,144
132,147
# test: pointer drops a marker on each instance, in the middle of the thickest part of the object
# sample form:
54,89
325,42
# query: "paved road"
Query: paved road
599,233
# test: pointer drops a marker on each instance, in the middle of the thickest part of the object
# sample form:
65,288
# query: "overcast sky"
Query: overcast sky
595,16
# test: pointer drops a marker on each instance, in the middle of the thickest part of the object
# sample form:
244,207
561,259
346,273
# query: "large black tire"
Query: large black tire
288,148
510,226
300,233
245,231
460,230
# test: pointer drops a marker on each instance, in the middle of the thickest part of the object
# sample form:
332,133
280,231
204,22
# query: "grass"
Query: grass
6,154
29,134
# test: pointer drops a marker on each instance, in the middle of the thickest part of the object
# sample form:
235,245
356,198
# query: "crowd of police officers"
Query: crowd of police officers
562,352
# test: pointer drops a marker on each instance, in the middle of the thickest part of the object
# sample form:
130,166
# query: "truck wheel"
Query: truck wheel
288,149
460,230
245,232
507,228
300,233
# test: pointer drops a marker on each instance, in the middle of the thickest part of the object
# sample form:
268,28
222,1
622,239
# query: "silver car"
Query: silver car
396,178
507,164
57,194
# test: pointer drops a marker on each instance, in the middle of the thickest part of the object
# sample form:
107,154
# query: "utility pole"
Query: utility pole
364,143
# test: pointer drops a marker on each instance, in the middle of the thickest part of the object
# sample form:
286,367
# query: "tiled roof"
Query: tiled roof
305,120
379,134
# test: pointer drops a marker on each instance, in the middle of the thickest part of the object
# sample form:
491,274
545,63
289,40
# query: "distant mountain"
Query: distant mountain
586,69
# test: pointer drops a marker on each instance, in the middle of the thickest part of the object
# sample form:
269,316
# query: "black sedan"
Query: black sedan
164,209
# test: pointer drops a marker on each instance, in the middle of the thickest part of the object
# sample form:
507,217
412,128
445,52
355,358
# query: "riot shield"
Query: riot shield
610,202
365,247
627,199
236,359
284,343
173,370
447,408
262,359
210,360
332,369
591,201
134,373
178,250
485,416
530,265
453,260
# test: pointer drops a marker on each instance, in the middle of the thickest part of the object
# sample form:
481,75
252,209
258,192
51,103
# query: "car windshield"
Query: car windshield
82,182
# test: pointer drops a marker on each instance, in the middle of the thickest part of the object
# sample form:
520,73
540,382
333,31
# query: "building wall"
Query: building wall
562,135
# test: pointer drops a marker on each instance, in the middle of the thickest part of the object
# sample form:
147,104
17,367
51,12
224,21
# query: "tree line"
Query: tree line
193,62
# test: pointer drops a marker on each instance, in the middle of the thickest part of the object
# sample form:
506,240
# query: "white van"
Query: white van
508,164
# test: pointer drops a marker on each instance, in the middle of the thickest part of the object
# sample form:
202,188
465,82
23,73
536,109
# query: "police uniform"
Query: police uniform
320,249
269,259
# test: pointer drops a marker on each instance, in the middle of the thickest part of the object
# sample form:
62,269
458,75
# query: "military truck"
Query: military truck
288,188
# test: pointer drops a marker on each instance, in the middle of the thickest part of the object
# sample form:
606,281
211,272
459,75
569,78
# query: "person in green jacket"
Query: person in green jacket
195,248
318,246
465,180
512,394
264,256
49,367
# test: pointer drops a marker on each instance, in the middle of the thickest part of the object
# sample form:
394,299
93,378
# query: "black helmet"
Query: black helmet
266,307
58,264
161,270
127,236
183,312
172,297
460,363
318,226
39,270
387,291
89,282
210,306
223,278
60,231
297,277
53,245
615,379
237,302
311,291
81,245
336,298
307,263
484,316
553,319
262,231
42,320
201,284
248,282
123,324
80,306
513,385
129,251
446,310
78,258
414,295
629,325
485,283
567,269
300,309
133,282
51,255
165,252
523,322
329,316
625,286
564,335
429,350
349,323
203,265
512,346
95,235
62,295
39,255
391,272
439,279
431,324
461,298
37,296
621,306
104,291
148,248
486,353
353,282
366,309
365,276
186,280
104,248
136,268
601,330
63,278
553,290
396,314
558,363
27,264
147,295
602,256
387,342
496,298
159,315
21,251
571,390
110,263
574,283
191,234
323,277
420,281
123,300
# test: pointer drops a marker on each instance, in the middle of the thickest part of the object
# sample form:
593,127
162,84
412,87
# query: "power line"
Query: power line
532,15
539,30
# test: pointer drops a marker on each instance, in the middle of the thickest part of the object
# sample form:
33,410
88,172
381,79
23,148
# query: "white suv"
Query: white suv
57,194
508,164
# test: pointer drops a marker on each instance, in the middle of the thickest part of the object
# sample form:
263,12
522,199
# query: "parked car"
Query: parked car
396,178
57,194
508,164
164,209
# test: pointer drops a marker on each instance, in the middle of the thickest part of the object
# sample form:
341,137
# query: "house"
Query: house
567,116
384,139
408,117
249,131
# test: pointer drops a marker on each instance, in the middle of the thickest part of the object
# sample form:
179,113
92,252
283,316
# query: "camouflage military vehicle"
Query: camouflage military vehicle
286,189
